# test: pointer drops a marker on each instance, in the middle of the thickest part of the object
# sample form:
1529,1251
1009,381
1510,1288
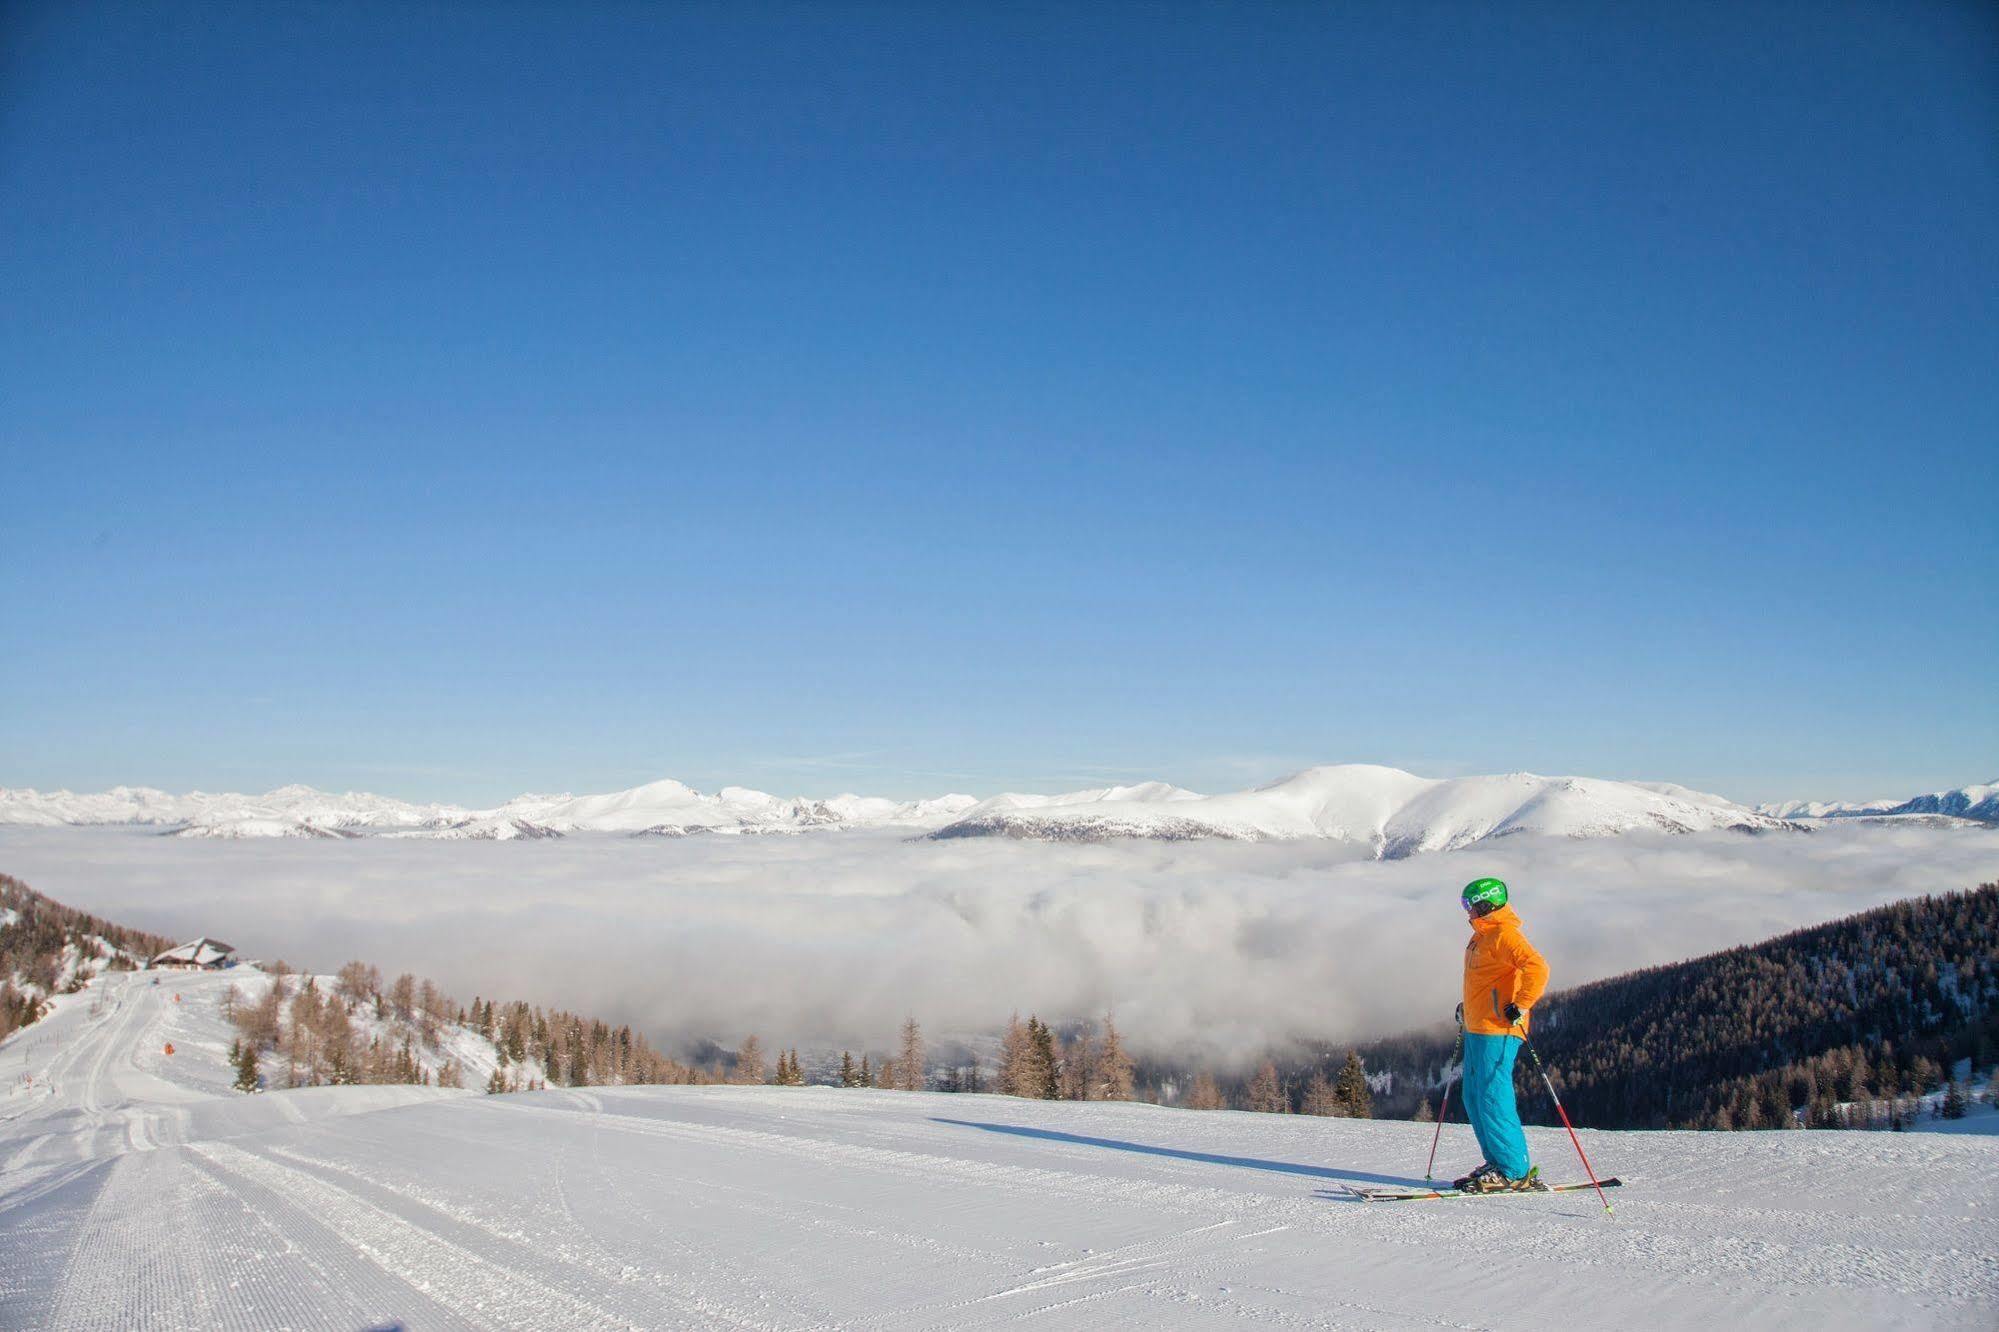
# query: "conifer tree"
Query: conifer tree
1042,1070
849,1075
750,1062
1955,1102
402,997
1112,1077
357,981
1204,1094
909,1064
1074,1058
1351,1089
1424,1115
1266,1093
867,1078
245,1059
1015,1059
1321,1099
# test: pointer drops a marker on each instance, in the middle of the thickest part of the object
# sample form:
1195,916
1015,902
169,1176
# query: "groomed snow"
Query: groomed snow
136,1190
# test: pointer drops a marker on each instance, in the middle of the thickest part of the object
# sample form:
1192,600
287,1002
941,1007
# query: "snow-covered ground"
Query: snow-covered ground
136,1190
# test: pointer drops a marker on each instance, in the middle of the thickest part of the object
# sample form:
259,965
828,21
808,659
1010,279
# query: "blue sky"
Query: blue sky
457,400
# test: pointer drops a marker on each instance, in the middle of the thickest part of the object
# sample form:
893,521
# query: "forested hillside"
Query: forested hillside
1841,1025
303,1030
46,947
1832,1026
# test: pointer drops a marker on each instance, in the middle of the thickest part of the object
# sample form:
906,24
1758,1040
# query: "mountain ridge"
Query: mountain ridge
1390,812
1976,803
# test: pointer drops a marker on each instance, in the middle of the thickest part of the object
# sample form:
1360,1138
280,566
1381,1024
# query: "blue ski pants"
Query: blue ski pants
1489,1102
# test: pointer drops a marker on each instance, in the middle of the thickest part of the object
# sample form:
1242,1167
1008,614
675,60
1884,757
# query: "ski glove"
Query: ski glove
1514,1013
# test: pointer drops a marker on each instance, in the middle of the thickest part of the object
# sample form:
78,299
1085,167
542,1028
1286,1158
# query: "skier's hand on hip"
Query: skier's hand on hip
1514,1012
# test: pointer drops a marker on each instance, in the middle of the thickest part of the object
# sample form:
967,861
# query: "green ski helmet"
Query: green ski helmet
1482,896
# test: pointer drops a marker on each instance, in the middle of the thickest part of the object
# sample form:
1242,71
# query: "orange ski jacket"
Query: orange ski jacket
1501,968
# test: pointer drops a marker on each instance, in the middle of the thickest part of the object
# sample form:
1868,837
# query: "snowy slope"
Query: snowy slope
135,1190
1394,813
1977,804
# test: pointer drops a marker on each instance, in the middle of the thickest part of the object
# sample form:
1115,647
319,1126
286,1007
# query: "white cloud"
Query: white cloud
832,937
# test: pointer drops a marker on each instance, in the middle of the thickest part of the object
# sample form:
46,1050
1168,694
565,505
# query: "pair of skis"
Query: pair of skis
1410,1195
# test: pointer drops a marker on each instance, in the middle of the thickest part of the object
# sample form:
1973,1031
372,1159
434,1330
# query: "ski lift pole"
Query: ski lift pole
1457,1050
1555,1096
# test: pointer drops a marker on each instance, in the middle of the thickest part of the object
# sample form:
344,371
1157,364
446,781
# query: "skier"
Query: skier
1504,976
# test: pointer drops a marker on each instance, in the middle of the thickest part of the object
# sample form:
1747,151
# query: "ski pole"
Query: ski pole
1457,1049
1556,1098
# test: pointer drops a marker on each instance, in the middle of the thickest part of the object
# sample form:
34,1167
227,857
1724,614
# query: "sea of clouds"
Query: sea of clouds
1212,948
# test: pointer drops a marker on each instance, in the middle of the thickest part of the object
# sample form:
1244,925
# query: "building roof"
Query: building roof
202,952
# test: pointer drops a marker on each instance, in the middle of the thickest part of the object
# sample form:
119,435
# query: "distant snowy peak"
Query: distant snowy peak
289,811
1391,812
877,811
230,830
1975,804
667,808
486,829
121,804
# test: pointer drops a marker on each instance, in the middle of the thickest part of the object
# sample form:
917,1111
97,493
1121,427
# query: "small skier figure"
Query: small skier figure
1504,977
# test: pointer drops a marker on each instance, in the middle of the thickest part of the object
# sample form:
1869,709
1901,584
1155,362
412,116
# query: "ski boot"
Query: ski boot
1487,1179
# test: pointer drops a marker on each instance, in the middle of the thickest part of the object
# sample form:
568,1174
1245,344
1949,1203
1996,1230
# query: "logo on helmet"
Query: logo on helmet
1482,896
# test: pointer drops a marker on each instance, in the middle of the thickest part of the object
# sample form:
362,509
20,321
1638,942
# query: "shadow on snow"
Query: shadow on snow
1179,1154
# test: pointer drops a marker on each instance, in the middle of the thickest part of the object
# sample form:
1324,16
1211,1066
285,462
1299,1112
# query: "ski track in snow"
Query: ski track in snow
136,1190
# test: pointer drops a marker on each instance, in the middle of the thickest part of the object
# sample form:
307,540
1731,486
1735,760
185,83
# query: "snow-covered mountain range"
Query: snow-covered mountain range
1394,813
664,808
1390,812
1974,804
